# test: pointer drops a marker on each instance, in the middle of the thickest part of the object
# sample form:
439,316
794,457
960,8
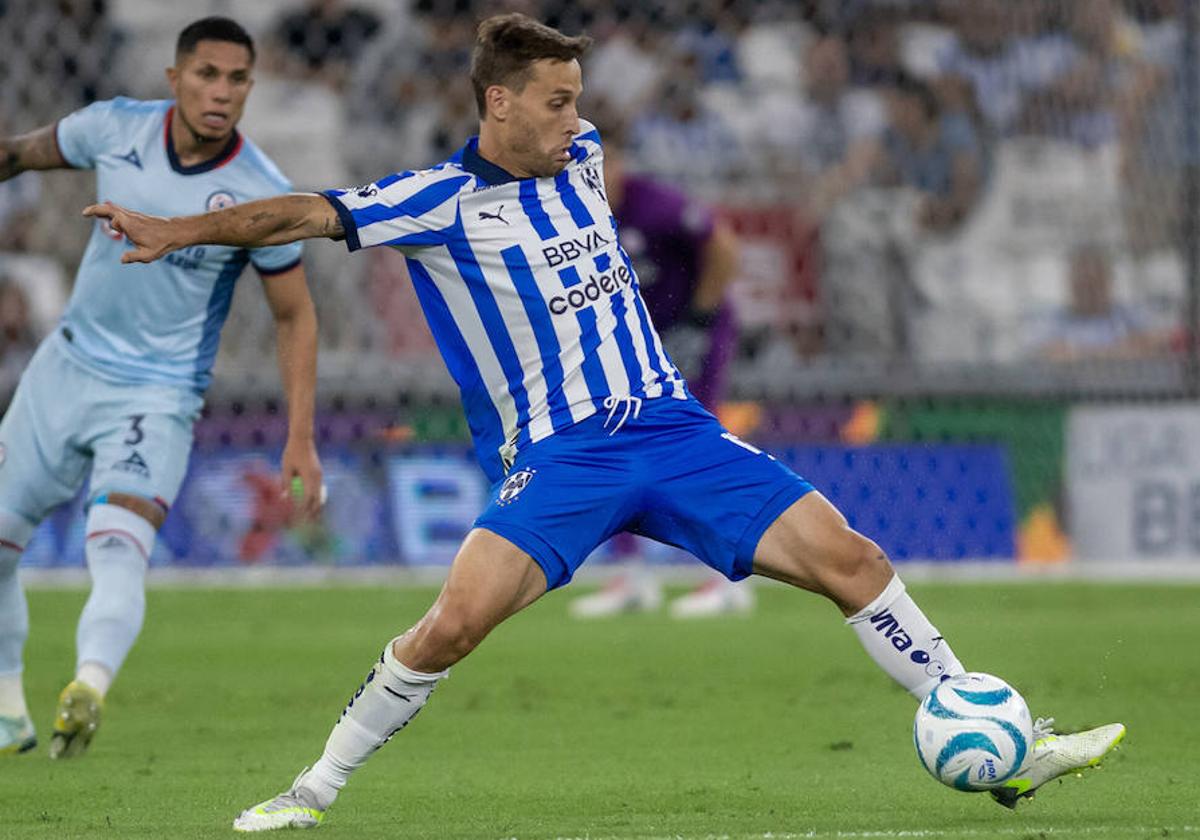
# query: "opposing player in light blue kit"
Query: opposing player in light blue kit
579,418
116,389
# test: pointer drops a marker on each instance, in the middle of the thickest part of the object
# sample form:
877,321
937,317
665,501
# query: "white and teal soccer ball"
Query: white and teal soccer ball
973,732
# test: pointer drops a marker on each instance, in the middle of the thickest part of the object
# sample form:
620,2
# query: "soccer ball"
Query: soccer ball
973,732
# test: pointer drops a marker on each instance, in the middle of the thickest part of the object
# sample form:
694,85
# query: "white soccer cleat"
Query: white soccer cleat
16,735
624,593
715,597
1057,755
294,808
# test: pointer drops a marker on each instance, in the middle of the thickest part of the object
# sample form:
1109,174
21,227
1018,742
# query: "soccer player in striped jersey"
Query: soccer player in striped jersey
115,390
579,418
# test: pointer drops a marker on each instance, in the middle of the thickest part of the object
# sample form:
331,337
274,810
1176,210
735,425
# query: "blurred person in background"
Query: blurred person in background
927,177
115,391
829,134
1092,324
322,40
678,136
18,339
685,257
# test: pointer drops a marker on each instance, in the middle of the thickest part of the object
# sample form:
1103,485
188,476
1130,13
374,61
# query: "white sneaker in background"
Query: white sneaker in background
717,596
624,593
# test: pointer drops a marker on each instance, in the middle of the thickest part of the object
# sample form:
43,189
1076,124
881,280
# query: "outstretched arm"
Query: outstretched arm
269,221
296,341
36,150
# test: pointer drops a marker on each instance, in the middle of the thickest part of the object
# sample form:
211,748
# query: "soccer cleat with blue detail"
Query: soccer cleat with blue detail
16,735
76,720
294,808
1057,755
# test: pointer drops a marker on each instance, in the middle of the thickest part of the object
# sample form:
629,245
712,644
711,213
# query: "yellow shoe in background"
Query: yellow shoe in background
76,720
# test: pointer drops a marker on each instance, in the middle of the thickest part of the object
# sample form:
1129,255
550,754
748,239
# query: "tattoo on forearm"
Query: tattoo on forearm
332,226
260,216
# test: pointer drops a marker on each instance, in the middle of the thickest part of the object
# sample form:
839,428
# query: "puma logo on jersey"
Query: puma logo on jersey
483,214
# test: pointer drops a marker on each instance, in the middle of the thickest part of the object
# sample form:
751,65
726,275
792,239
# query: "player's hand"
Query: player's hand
150,235
301,475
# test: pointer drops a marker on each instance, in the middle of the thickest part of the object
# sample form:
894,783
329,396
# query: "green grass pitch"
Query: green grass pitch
769,726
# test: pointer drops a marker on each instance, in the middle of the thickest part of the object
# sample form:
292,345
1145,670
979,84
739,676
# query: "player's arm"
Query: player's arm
718,265
296,344
36,150
256,224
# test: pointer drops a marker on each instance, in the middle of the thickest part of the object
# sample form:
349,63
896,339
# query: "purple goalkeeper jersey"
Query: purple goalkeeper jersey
664,231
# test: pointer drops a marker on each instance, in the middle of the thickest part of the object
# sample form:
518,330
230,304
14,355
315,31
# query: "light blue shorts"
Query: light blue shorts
65,420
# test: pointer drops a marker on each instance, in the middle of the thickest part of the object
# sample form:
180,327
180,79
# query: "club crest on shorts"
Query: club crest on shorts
513,485
219,201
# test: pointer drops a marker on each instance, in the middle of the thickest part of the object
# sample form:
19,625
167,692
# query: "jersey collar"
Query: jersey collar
220,159
485,170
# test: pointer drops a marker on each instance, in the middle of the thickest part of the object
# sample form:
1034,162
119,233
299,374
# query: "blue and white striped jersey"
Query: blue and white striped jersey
159,323
533,303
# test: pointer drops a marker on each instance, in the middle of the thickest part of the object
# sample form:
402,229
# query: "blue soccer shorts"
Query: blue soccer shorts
671,473
65,422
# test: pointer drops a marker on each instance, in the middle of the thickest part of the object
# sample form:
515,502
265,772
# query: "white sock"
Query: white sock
903,642
388,699
95,675
118,547
15,531
12,696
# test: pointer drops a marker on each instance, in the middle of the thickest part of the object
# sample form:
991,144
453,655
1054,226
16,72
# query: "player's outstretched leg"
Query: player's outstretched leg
489,580
16,728
118,546
811,545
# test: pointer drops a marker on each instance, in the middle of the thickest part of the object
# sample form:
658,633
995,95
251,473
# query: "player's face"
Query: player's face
542,118
210,86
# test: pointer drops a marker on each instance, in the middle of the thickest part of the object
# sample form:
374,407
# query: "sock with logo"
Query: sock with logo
903,642
118,547
388,699
15,532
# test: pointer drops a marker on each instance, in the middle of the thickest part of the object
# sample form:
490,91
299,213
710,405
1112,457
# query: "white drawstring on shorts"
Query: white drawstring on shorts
632,403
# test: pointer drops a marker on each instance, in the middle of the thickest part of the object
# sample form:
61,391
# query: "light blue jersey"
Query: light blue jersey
532,301
159,323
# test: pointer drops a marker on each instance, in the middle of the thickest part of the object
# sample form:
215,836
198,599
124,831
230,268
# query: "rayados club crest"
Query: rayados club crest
514,484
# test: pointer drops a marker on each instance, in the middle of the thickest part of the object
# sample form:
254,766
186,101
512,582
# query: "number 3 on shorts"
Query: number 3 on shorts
136,435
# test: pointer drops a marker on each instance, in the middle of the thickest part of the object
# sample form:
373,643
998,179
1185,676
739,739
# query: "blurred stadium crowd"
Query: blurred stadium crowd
929,194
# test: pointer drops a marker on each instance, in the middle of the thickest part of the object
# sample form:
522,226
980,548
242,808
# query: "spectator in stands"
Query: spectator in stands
1154,150
19,201
1092,324
830,134
1004,50
17,338
323,39
873,35
936,153
1098,95
679,134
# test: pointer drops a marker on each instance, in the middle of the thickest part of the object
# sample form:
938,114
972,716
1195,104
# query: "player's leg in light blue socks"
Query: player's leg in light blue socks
15,532
388,699
118,548
903,642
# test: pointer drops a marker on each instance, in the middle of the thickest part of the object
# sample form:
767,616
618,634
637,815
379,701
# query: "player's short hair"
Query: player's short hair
506,46
212,29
